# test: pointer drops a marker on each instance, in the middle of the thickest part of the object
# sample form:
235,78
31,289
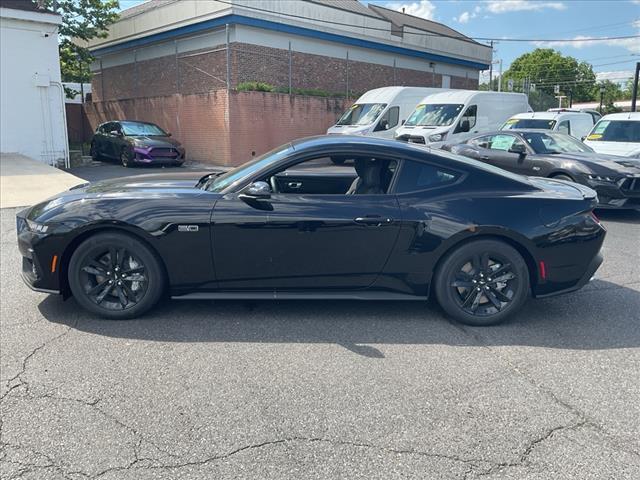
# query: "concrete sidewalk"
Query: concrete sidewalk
24,181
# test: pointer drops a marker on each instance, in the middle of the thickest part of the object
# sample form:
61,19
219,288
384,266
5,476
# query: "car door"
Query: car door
303,241
500,153
115,137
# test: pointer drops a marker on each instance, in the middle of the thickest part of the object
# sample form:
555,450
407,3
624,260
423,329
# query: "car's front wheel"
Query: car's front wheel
482,282
125,157
94,152
115,276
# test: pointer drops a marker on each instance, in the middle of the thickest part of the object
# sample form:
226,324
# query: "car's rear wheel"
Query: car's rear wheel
125,157
115,276
482,282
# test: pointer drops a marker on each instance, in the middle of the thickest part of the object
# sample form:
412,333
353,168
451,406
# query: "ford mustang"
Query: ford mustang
394,221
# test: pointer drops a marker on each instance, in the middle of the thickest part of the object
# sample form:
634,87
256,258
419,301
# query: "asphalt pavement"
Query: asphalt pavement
324,390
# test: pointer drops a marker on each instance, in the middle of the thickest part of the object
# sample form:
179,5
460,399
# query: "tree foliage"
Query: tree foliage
546,67
82,20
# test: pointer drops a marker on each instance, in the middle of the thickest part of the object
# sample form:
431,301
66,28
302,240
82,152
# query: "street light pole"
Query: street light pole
634,97
601,97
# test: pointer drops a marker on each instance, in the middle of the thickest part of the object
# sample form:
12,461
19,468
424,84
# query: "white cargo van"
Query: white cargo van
455,115
381,111
616,134
576,124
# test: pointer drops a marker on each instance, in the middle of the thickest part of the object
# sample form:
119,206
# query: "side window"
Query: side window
470,115
388,120
415,176
564,127
481,142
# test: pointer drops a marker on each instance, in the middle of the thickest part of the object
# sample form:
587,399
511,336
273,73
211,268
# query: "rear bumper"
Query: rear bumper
586,278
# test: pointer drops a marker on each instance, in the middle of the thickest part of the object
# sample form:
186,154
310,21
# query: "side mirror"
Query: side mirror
519,149
403,122
168,134
465,126
258,190
583,138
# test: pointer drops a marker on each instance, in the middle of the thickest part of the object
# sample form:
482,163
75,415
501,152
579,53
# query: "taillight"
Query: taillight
593,215
543,270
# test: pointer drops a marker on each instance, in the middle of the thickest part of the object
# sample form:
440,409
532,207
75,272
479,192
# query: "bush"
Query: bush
255,87
267,87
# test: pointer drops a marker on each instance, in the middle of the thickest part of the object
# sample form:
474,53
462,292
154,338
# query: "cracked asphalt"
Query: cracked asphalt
323,390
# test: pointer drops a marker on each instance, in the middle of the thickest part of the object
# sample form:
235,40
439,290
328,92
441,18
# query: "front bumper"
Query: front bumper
39,269
624,195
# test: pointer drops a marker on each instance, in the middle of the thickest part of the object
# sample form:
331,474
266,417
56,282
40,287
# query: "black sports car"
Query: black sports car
394,221
136,143
557,155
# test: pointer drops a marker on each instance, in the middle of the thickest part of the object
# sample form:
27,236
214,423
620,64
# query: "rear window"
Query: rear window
415,176
616,131
528,123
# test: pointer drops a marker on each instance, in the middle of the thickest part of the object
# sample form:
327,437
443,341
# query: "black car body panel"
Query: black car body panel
587,168
318,244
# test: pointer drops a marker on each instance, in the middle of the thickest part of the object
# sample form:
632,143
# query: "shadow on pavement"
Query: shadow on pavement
601,316
621,216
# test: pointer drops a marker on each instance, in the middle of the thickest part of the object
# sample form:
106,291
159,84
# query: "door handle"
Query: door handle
294,185
484,157
374,221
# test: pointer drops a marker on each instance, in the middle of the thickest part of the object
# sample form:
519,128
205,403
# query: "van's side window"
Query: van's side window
389,119
564,127
469,115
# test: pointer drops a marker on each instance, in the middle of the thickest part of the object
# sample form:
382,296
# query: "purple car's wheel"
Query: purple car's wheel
115,276
125,157
482,282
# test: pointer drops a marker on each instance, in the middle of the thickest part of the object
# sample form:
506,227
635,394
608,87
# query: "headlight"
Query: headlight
437,137
37,227
603,178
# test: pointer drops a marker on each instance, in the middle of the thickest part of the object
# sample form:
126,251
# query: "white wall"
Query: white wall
32,116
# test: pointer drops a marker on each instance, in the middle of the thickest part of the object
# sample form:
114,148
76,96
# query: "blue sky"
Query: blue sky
538,19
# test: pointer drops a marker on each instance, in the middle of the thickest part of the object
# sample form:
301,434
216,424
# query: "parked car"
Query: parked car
576,124
381,111
455,115
136,143
395,222
616,134
595,115
557,155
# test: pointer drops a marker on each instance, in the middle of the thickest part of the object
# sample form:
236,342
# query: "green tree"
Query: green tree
82,20
610,92
546,67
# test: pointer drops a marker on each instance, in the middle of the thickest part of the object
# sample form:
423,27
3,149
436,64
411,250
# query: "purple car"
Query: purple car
136,143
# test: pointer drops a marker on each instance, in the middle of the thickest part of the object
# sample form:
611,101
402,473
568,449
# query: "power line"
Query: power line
427,34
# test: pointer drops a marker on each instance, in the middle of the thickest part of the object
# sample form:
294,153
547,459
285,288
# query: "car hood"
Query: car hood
614,148
155,181
601,163
165,142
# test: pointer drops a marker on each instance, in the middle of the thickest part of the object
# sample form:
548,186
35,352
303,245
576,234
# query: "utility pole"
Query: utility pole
634,97
601,97
491,68
560,97
500,77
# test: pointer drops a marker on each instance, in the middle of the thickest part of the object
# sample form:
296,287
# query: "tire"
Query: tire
466,291
103,258
561,176
94,152
125,158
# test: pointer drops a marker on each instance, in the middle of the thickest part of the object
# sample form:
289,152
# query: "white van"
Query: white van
381,111
616,134
455,115
576,124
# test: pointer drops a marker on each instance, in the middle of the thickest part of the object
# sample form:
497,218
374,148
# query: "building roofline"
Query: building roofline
236,19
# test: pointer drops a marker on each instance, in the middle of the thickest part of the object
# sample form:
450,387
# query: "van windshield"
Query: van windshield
538,123
434,115
616,131
362,114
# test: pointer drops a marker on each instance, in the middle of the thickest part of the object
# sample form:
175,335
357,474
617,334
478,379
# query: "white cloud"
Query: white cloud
421,8
504,6
580,41
468,15
620,76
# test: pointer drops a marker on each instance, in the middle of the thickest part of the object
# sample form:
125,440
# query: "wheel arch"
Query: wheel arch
97,229
555,173
510,240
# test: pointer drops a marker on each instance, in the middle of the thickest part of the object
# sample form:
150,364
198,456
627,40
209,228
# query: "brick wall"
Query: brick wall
206,70
226,129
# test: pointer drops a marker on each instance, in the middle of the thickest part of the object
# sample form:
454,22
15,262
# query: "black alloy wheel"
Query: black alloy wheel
125,157
94,152
115,276
482,282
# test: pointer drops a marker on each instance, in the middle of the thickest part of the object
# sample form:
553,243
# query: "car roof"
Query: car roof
633,116
463,96
548,115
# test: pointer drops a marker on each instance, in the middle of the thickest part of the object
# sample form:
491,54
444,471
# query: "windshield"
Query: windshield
616,131
554,143
434,115
361,114
539,123
219,183
134,129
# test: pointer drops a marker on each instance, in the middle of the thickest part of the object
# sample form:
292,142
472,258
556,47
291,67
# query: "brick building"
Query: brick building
166,48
